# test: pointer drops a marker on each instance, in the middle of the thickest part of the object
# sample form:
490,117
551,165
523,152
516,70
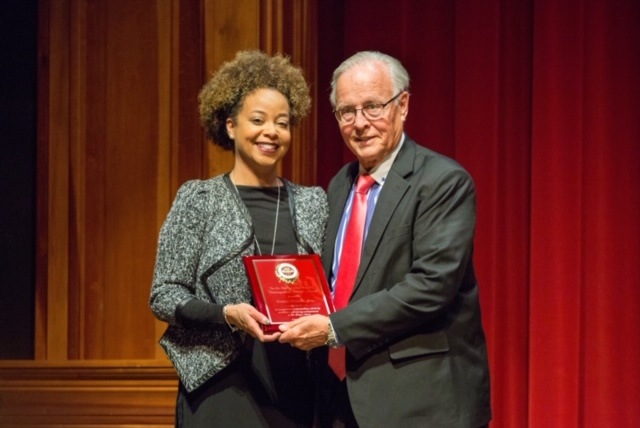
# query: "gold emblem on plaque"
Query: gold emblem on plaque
287,272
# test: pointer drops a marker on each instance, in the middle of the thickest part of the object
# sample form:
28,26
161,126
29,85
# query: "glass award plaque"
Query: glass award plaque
286,287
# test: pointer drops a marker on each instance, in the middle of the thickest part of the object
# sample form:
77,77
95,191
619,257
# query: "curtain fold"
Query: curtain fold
493,141
540,101
586,145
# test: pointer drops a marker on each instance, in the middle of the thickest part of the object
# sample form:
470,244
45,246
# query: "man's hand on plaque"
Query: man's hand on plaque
305,332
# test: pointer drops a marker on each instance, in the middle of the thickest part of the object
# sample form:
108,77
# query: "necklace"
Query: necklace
275,226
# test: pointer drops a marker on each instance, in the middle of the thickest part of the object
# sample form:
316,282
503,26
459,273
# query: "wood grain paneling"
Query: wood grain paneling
119,143
87,333
55,309
128,185
118,133
274,26
121,134
89,393
300,34
230,26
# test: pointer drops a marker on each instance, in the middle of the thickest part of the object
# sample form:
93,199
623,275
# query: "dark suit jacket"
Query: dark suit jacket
416,352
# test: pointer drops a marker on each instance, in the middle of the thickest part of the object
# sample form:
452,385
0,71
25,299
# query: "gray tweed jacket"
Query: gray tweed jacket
200,249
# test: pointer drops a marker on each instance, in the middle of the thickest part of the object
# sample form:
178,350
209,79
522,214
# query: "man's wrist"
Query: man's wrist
331,342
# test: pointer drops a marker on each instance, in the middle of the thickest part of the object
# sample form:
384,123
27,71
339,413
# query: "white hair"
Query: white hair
399,75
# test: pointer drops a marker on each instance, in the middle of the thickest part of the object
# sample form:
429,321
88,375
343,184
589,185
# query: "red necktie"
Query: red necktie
349,262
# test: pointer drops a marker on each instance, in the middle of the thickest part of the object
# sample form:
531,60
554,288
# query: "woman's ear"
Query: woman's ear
230,128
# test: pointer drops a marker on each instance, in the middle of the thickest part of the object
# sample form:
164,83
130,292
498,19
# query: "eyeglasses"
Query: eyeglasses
372,111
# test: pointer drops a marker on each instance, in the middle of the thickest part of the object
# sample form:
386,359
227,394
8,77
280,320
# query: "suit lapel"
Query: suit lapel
393,191
337,200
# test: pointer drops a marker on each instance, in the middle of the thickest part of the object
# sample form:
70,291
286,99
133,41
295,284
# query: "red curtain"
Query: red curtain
540,101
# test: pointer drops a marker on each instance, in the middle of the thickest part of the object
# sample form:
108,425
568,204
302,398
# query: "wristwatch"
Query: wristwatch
331,337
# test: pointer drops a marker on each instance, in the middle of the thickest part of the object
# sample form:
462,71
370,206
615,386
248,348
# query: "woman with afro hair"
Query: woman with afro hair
231,373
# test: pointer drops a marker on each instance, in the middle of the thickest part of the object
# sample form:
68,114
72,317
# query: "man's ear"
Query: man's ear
404,105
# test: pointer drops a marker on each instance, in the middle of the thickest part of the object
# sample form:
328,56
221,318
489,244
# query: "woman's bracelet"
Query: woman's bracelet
224,313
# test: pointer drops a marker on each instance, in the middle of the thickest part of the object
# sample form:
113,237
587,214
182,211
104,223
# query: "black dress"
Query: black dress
270,384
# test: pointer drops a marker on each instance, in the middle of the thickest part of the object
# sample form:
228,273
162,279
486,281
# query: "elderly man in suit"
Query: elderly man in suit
406,347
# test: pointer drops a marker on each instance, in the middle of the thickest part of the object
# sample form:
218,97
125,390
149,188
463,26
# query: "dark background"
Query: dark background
18,130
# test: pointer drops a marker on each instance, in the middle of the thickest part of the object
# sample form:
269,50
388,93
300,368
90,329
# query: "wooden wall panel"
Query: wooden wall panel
187,76
300,40
80,153
181,144
56,185
123,134
274,26
230,26
130,147
86,394
118,133
164,182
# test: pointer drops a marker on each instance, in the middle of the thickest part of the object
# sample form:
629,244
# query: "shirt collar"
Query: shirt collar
380,171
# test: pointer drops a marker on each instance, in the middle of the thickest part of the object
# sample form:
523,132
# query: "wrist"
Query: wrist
331,341
226,319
